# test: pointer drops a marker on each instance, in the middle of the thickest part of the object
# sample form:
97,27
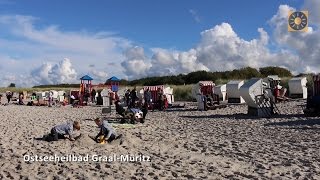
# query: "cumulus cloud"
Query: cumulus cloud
220,48
305,45
163,62
61,72
104,54
26,46
136,64
99,76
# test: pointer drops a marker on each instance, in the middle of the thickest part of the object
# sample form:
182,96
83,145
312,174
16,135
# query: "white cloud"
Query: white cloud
25,49
314,14
220,48
32,55
61,72
195,15
305,45
99,76
136,63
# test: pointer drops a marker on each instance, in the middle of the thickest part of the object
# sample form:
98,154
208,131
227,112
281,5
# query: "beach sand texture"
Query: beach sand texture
181,143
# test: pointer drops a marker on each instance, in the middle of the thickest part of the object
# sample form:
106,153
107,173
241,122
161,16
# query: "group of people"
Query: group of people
66,131
131,99
137,114
135,109
9,96
162,100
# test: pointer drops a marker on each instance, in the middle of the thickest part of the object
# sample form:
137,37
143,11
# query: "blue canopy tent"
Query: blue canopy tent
114,82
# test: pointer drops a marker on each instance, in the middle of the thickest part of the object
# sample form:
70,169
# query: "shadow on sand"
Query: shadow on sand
297,124
218,116
45,138
244,116
181,109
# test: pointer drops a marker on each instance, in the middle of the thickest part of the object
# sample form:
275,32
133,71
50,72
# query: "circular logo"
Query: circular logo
298,21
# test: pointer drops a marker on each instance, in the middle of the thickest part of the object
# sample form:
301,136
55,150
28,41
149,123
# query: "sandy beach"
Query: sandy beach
176,144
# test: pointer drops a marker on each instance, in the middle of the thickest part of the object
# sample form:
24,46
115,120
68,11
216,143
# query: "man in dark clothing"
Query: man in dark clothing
160,99
147,97
144,110
127,96
133,96
93,95
9,96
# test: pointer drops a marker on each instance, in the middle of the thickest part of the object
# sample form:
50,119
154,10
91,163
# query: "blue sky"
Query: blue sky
165,23
132,39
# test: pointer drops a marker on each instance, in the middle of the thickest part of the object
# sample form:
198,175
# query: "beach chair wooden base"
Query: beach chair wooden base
312,112
178,105
282,99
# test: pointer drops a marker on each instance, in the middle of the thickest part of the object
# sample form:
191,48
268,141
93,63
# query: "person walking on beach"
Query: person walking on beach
9,96
50,98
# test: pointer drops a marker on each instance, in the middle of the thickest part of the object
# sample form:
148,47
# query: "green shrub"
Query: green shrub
182,92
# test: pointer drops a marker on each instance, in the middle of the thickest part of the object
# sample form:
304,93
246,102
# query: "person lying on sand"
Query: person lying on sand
133,114
106,132
63,131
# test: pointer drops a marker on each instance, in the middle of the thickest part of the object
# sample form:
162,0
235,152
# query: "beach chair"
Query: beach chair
313,100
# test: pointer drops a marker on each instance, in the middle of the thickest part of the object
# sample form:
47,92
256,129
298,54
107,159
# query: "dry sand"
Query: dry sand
181,144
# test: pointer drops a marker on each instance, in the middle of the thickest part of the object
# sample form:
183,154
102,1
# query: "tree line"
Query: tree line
194,77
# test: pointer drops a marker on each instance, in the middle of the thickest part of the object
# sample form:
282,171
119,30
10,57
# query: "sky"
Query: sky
52,42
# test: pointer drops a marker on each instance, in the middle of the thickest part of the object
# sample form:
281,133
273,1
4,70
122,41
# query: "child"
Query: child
106,130
59,131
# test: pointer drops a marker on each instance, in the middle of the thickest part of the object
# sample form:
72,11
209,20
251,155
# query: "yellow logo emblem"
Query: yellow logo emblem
298,21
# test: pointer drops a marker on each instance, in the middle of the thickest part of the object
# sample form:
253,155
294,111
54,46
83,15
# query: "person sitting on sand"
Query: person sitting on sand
209,100
20,100
280,92
106,131
63,131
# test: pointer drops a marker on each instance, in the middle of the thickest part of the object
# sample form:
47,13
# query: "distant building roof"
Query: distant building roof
113,78
86,77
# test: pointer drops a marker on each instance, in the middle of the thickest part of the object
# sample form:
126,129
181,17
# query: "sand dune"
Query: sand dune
181,144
